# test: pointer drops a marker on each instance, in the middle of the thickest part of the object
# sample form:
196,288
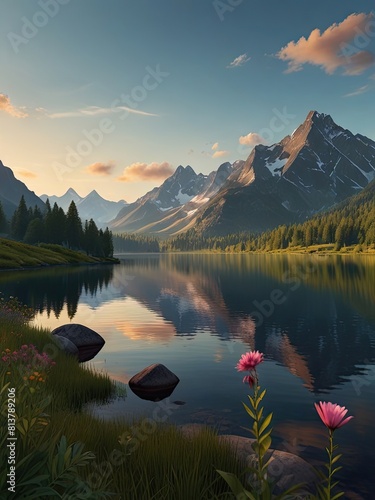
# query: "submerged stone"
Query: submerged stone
86,340
156,377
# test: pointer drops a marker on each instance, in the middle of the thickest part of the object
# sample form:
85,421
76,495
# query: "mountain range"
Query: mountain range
319,165
316,167
92,206
168,208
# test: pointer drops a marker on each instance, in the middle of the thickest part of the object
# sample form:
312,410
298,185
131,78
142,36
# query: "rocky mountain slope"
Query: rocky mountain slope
169,208
11,190
319,165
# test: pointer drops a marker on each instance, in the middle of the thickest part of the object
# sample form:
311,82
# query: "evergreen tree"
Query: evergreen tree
3,220
327,234
91,238
55,222
340,235
308,235
74,233
107,243
37,213
34,232
20,220
48,206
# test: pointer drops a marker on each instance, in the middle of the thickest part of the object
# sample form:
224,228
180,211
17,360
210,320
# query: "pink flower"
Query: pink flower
249,379
249,361
332,415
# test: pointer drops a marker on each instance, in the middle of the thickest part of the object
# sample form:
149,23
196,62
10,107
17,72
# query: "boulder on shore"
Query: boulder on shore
86,340
286,469
67,346
153,378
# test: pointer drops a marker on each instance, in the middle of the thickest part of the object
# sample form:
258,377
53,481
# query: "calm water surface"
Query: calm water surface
313,317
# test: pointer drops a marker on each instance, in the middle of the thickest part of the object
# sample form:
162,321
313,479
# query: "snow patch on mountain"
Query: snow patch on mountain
182,197
276,166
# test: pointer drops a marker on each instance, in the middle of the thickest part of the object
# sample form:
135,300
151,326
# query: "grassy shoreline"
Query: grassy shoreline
17,256
323,249
130,459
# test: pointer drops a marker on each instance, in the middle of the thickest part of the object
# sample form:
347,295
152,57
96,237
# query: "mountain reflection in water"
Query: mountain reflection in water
313,317
321,329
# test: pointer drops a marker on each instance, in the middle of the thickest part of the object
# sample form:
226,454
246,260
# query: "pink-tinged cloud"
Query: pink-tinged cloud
7,107
146,172
100,168
220,154
339,46
26,173
215,146
251,139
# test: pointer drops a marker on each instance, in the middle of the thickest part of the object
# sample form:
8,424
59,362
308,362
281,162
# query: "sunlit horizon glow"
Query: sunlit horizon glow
118,103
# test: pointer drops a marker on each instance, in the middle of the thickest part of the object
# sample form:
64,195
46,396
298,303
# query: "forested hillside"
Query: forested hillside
127,242
33,226
351,223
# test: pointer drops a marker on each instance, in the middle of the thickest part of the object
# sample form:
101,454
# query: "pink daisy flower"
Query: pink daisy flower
249,361
332,415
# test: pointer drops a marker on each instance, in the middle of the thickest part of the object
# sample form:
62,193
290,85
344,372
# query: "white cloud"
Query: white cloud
359,91
96,110
251,139
239,61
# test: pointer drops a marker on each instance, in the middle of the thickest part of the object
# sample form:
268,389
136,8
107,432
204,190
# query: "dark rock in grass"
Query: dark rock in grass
286,469
155,382
67,346
86,340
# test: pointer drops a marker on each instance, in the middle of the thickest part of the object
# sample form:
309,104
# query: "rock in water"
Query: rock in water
86,340
155,377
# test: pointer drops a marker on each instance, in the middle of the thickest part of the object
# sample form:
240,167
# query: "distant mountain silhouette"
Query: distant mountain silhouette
11,191
93,206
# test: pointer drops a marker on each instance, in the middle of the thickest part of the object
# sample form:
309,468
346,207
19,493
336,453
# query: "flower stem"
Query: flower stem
330,456
257,427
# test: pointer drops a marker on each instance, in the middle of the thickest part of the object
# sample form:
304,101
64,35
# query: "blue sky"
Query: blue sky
114,95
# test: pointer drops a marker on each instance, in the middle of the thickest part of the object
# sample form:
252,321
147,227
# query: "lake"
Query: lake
312,316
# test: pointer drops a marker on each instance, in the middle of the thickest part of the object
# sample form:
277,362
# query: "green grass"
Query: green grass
70,384
161,463
14,255
323,249
165,464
